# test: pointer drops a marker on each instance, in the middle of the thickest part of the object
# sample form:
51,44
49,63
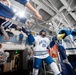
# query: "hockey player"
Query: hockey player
41,42
9,25
7,12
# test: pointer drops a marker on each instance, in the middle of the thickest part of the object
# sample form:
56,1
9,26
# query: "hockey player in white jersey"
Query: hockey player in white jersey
40,54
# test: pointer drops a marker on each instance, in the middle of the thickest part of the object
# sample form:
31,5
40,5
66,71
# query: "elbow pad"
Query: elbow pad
30,39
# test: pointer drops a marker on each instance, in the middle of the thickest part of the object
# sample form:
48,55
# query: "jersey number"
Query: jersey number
43,45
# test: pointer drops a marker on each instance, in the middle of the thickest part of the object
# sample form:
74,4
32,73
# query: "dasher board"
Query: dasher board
12,46
71,52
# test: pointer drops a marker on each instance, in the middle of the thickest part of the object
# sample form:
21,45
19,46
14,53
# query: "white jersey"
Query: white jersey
40,48
69,44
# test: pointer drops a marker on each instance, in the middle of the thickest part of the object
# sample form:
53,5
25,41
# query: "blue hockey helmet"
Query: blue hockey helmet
43,30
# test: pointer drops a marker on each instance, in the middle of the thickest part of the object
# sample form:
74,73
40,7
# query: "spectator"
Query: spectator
3,58
16,66
21,37
30,61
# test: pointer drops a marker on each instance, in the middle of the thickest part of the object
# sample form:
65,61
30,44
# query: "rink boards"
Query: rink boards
11,46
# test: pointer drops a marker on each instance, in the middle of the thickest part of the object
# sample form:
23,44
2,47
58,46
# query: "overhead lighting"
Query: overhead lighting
50,24
14,10
21,14
31,15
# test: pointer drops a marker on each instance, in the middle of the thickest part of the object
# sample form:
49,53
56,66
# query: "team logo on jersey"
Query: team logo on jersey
43,43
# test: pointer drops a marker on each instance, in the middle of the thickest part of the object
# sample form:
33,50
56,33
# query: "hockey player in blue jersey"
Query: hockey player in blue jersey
41,42
7,12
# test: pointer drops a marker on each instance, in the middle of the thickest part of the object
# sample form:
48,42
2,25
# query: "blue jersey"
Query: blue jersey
22,1
5,11
21,36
